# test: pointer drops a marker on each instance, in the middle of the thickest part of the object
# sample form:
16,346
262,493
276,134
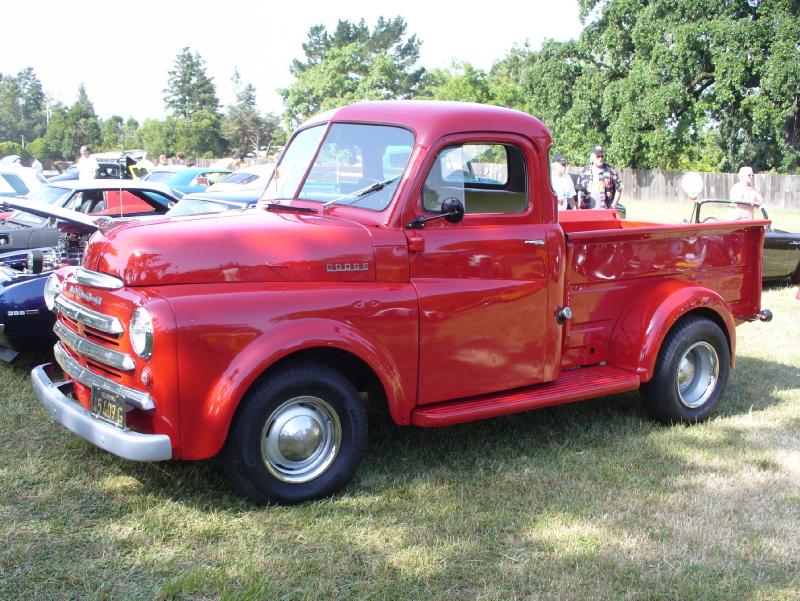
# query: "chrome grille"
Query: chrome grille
88,317
83,376
85,347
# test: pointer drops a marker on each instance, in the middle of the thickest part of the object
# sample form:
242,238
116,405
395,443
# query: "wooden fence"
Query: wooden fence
779,191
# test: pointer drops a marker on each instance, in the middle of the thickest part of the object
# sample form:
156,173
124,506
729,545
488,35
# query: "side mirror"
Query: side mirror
452,209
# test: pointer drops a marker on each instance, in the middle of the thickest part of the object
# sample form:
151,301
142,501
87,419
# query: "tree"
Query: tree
22,115
352,64
189,89
112,131
461,82
676,69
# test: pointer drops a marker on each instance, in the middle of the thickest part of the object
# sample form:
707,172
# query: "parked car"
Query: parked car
107,170
24,230
781,257
249,178
19,181
186,179
25,321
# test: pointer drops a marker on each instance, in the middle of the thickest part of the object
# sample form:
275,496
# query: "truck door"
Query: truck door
482,282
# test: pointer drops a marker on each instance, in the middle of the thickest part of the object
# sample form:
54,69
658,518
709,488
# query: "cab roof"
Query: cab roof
430,119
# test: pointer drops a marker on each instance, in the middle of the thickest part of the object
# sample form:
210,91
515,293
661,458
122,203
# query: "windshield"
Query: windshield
198,206
727,210
160,176
358,165
50,195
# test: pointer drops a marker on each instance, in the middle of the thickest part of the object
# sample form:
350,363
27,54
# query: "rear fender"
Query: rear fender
265,351
643,325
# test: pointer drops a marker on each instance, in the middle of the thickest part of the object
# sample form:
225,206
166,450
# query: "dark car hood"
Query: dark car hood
251,246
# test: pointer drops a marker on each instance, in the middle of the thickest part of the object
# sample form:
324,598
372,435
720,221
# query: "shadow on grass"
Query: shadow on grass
407,453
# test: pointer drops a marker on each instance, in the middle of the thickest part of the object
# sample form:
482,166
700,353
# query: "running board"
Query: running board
573,385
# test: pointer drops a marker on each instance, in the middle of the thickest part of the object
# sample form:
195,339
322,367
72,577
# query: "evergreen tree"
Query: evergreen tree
189,89
352,64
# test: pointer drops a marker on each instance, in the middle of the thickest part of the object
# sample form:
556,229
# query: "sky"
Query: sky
122,51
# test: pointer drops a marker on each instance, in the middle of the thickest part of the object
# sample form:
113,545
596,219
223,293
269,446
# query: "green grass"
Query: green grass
584,501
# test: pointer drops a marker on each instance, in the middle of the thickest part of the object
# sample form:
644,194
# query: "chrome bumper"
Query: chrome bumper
123,443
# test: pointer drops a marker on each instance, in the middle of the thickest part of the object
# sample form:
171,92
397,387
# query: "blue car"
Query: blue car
186,179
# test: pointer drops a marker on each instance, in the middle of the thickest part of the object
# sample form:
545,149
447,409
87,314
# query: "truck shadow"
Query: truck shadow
398,455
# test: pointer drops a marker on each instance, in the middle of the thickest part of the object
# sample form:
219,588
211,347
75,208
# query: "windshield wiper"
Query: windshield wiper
362,192
274,206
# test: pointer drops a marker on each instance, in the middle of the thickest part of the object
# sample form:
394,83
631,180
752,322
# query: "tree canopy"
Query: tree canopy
353,63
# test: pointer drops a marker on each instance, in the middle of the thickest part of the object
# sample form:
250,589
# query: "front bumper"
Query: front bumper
123,443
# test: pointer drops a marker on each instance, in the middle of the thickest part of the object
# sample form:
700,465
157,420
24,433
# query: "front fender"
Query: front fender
214,418
642,326
228,339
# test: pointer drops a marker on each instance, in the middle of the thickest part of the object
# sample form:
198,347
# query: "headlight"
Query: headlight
52,288
141,332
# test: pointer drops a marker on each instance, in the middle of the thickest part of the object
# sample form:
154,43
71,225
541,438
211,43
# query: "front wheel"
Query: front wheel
298,435
691,373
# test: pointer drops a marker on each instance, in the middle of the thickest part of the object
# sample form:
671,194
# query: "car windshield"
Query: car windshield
160,176
355,164
51,195
727,210
198,206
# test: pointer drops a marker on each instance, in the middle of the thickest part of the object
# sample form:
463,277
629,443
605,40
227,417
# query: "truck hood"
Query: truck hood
249,246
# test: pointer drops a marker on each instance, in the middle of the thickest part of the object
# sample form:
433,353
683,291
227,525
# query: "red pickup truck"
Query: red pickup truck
408,254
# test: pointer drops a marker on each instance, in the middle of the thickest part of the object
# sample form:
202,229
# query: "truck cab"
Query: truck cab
407,254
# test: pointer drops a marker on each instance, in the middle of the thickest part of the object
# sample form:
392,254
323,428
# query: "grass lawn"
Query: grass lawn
583,501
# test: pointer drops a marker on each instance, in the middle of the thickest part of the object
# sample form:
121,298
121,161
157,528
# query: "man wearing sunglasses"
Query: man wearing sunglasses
599,186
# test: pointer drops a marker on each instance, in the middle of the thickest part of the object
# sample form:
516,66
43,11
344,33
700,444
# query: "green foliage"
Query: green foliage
353,64
22,115
189,89
666,83
244,128
461,82
37,148
9,148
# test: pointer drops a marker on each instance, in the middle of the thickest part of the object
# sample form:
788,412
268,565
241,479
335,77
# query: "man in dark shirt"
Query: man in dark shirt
599,186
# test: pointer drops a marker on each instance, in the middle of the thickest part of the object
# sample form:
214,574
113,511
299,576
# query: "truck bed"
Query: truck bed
612,265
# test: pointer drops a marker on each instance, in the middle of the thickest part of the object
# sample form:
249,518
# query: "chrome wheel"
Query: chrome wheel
698,374
301,439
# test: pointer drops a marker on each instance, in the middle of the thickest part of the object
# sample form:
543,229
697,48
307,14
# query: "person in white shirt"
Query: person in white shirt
744,190
562,183
87,164
36,164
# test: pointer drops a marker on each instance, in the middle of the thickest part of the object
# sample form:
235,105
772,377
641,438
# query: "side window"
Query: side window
487,178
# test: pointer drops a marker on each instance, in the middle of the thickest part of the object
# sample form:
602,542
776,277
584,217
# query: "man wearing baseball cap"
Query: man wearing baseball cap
599,184
562,183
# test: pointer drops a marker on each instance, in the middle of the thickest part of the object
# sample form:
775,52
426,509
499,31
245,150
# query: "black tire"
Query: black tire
690,375
298,435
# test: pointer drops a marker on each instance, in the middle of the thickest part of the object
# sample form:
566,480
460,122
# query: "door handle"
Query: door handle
537,242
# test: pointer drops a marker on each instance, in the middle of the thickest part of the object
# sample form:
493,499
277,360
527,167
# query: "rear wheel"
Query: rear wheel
691,373
298,435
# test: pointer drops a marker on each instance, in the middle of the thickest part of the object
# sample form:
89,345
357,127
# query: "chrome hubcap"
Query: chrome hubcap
698,372
300,439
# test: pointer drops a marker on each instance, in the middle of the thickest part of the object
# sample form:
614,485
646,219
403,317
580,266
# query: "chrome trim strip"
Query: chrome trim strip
93,319
80,374
98,280
85,347
123,443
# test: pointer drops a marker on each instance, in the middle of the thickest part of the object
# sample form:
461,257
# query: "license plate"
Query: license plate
108,406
